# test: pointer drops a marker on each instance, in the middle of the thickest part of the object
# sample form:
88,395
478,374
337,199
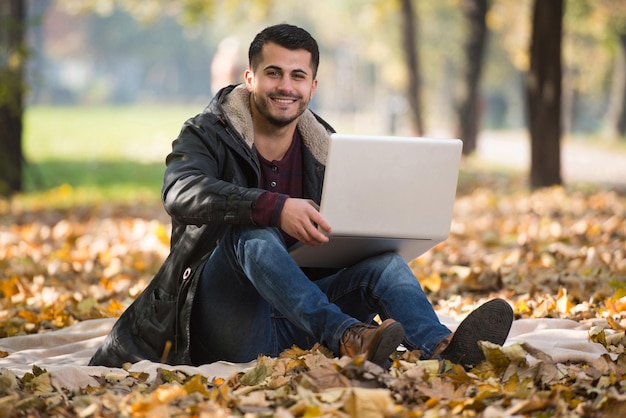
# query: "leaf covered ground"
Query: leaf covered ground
552,253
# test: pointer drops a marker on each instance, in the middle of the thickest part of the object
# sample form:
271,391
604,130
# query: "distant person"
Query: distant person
242,184
225,68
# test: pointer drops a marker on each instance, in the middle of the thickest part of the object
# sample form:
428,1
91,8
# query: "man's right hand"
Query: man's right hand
299,218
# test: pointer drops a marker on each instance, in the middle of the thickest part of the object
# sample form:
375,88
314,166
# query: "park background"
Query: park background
109,84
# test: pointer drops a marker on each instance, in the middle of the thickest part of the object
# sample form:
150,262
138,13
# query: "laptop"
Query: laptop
384,193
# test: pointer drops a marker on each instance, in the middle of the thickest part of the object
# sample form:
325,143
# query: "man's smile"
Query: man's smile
284,101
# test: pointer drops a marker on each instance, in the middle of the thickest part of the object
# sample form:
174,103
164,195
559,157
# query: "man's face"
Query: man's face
282,84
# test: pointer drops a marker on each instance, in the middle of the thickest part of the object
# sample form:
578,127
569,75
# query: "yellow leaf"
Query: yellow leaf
495,356
42,385
512,385
516,353
312,411
86,306
28,316
139,265
168,393
616,305
197,384
431,282
366,403
115,308
597,335
563,305
522,307
9,287
162,234
257,375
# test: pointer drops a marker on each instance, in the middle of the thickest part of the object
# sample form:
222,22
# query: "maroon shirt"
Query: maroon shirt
282,179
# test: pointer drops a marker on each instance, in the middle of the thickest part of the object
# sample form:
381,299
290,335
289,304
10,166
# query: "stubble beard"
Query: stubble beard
263,107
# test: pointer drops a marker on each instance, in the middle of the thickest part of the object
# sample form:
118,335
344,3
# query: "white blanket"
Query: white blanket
65,353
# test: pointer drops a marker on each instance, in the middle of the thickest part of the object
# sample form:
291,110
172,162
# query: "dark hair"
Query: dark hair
287,36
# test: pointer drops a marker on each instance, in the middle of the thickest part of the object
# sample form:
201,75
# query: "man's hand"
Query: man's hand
299,219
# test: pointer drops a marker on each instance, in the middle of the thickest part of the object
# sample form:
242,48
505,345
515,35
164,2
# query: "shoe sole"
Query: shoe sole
490,322
389,337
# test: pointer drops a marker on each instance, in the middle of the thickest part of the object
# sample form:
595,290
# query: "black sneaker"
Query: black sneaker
490,322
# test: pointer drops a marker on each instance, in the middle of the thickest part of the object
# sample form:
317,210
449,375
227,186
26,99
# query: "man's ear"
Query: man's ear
249,78
314,87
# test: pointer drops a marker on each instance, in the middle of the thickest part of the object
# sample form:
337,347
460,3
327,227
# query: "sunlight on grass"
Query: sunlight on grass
66,196
136,133
98,153
117,153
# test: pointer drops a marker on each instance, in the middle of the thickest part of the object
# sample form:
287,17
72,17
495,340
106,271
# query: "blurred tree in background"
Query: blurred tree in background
437,68
468,102
411,52
614,12
543,87
12,65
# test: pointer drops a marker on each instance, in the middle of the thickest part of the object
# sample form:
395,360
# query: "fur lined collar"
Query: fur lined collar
236,107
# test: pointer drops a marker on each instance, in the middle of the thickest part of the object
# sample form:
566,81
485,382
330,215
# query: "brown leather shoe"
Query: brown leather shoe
377,341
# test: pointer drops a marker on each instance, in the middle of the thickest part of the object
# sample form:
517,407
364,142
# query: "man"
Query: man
242,184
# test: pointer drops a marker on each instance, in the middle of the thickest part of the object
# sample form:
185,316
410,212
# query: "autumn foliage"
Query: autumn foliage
552,253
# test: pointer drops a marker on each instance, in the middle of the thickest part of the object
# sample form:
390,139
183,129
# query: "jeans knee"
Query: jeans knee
394,268
388,261
391,259
250,233
256,240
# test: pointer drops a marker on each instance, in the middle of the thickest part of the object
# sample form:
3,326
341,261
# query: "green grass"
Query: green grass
96,153
137,133
88,154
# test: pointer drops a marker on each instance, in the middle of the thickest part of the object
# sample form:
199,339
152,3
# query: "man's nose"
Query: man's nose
286,84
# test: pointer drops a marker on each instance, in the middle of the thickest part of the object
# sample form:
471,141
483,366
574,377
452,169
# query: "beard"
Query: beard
263,106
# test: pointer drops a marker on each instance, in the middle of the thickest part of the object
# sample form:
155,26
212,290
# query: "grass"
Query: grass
88,154
97,153
137,133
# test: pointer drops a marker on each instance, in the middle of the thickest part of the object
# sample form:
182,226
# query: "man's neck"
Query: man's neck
273,148
272,142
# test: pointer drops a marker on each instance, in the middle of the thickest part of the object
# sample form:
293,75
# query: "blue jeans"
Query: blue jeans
252,299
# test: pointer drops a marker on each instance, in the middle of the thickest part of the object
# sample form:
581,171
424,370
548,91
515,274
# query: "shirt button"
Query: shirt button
273,184
274,168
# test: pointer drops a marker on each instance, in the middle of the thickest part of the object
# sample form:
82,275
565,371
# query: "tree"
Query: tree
468,107
12,64
543,90
616,112
593,94
13,57
411,54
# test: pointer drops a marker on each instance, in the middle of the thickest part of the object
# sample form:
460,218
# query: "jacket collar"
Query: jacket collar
234,103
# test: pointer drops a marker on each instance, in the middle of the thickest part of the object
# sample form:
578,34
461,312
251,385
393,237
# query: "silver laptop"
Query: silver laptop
384,193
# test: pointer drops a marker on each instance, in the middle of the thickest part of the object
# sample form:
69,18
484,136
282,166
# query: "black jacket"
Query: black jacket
211,182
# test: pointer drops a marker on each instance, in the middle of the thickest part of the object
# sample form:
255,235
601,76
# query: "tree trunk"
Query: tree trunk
12,63
616,112
543,89
468,104
411,53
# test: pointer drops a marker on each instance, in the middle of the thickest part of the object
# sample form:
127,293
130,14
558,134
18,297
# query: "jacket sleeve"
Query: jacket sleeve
204,181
